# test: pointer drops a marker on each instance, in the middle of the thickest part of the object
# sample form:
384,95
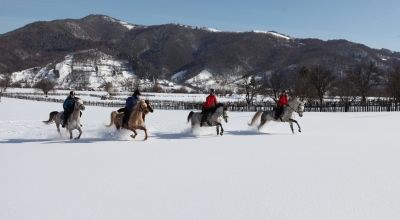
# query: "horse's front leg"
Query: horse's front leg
222,129
291,125
217,129
145,132
70,134
297,125
134,131
80,133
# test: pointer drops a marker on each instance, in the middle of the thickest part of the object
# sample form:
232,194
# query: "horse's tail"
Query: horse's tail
112,116
255,117
51,117
189,116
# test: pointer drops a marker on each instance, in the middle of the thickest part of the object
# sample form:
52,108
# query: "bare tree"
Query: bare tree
275,82
364,77
321,80
393,84
301,83
251,88
45,85
5,83
345,91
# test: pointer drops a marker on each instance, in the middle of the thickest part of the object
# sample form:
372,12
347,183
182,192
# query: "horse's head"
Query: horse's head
149,107
225,113
79,104
299,107
141,106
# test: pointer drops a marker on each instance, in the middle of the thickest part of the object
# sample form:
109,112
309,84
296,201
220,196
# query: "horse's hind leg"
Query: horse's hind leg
70,134
58,127
262,123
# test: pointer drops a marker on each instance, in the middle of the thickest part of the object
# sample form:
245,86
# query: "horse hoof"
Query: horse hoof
133,136
221,134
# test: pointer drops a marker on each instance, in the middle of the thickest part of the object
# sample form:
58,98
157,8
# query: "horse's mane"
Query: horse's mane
295,100
140,102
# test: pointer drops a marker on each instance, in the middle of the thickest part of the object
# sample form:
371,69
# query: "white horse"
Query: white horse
74,120
215,119
293,106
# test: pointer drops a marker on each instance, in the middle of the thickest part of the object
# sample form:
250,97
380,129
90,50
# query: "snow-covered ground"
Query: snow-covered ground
342,166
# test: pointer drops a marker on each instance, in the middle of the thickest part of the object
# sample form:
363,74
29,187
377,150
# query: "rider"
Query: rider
68,107
130,103
283,100
211,101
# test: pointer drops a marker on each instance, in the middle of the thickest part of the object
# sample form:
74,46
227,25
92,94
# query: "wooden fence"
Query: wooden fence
378,105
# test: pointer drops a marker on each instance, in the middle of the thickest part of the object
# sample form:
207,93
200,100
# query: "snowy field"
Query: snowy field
342,166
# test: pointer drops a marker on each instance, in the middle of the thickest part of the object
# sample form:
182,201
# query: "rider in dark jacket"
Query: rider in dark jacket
68,107
130,103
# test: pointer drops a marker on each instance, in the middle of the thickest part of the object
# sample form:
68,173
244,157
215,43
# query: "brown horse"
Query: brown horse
135,120
149,107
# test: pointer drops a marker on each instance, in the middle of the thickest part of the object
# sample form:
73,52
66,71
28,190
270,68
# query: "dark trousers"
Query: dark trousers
127,114
279,111
204,114
67,113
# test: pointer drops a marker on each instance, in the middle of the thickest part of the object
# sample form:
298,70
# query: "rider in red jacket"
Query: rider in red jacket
283,100
211,101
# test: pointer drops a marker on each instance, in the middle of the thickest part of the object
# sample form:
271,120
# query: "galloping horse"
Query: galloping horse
74,120
220,111
135,120
149,107
294,105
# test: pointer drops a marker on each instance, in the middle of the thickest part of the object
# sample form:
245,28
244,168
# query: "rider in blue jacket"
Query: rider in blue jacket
130,103
68,107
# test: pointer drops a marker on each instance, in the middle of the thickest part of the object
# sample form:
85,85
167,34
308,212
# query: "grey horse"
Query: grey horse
220,111
74,120
293,106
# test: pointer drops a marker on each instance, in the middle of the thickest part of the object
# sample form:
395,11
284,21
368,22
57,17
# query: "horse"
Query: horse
293,106
135,120
219,112
149,107
74,120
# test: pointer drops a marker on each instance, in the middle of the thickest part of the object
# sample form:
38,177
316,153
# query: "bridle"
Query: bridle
224,114
297,110
80,106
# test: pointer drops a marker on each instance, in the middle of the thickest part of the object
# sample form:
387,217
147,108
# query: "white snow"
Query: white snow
203,75
273,33
178,75
342,166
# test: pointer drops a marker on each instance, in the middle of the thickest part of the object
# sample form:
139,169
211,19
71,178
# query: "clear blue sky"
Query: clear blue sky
375,23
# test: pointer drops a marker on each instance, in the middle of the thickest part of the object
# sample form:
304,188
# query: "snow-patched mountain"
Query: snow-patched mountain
82,69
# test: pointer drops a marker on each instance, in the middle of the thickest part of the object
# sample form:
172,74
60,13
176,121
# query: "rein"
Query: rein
297,111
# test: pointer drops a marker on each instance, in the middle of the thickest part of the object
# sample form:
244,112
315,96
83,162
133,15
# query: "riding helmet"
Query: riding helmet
72,93
136,92
212,90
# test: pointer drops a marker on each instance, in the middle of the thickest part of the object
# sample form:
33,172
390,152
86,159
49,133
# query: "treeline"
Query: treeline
316,82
